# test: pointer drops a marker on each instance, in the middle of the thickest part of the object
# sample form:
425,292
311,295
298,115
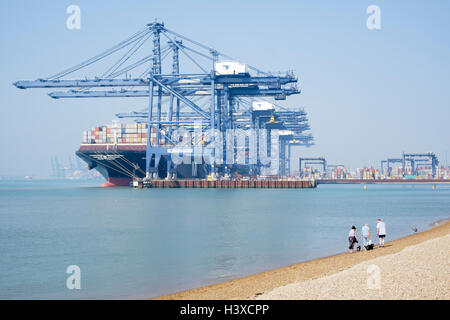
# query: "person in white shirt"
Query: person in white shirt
352,238
381,232
365,234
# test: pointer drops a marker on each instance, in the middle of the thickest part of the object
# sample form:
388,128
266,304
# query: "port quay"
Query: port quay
228,110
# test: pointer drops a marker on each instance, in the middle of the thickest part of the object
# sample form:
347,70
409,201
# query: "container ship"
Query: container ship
118,151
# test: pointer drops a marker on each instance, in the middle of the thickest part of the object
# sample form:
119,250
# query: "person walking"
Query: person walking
365,234
381,232
352,238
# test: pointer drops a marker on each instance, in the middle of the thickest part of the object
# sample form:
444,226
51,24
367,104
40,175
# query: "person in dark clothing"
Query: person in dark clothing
352,238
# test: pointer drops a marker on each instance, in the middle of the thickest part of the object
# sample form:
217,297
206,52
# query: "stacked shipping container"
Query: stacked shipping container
368,173
309,172
339,173
121,133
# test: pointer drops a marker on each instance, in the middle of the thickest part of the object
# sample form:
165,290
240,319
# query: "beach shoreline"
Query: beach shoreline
253,286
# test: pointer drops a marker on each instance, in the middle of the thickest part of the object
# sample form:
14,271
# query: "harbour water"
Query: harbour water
133,243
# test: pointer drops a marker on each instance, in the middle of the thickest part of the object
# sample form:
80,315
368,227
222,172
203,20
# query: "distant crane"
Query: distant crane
383,163
317,160
430,156
414,159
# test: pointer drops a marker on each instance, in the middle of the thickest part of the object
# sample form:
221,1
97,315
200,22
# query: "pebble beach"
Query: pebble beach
413,267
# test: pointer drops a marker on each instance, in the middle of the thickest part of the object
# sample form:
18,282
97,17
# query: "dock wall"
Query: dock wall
246,184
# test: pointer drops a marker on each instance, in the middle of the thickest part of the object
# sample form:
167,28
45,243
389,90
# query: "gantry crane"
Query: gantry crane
209,96
414,159
315,160
422,157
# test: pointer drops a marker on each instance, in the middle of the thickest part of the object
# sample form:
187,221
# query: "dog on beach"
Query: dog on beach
369,245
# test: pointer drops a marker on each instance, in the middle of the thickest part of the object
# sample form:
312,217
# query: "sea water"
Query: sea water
133,243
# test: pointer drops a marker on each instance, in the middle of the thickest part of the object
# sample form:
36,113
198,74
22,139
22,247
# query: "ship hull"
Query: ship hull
118,164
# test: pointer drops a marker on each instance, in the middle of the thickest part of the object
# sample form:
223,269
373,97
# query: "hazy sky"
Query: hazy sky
370,94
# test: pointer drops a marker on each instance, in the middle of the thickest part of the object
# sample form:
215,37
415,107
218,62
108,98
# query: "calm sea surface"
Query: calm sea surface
143,243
